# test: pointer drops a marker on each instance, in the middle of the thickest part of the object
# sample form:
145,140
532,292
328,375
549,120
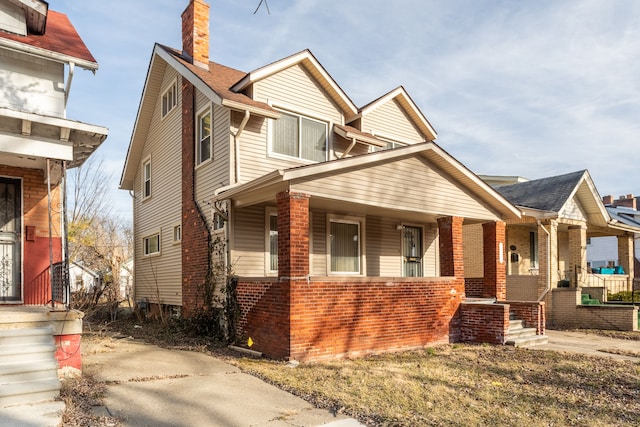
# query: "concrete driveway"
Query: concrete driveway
151,386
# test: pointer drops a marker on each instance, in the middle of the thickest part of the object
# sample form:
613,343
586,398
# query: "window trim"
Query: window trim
300,115
348,219
202,112
145,162
422,243
173,86
147,238
178,239
269,212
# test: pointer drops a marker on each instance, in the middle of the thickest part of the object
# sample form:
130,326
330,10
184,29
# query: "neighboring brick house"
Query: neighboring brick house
342,224
39,52
547,247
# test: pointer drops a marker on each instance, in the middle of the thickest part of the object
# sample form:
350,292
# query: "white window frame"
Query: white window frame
145,246
360,221
201,113
300,116
217,222
177,233
171,95
270,211
145,178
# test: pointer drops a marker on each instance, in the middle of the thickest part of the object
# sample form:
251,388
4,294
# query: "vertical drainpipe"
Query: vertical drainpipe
67,87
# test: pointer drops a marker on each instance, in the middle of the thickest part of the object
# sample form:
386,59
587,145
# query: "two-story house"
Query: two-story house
341,224
39,53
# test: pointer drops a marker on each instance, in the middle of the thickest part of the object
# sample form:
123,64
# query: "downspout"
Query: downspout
236,144
67,87
349,148
548,287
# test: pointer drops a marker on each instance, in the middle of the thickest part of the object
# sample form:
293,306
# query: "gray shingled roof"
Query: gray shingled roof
547,194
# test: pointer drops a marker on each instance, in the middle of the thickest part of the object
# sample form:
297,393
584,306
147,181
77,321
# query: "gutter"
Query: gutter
47,54
548,287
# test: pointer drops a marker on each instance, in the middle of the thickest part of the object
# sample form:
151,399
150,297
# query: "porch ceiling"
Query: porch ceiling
28,139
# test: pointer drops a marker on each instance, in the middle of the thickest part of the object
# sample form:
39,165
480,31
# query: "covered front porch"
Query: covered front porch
345,271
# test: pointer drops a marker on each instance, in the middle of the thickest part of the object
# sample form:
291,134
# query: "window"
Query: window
412,251
533,249
390,145
177,233
218,221
151,244
344,242
146,179
203,138
300,137
170,98
273,242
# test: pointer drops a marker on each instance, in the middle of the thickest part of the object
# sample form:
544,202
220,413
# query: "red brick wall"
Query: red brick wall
474,287
68,351
495,273
532,313
195,234
451,255
337,318
485,323
264,317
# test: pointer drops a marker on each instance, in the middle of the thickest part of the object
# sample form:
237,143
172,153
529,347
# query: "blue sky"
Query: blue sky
528,88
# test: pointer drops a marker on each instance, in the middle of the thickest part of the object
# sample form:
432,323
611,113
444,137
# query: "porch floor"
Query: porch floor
64,321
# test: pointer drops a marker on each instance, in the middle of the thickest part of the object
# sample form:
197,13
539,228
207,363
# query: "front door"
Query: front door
412,251
10,232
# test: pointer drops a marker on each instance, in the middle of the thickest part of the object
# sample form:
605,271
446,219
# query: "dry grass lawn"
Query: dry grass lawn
466,385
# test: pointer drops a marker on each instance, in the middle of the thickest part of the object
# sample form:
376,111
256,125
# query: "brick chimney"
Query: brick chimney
607,200
627,201
195,33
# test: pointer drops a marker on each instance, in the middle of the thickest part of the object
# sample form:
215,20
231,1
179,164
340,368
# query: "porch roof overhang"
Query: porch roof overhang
375,183
29,139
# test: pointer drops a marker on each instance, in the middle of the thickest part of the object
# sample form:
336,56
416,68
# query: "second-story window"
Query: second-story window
170,98
299,136
203,137
146,179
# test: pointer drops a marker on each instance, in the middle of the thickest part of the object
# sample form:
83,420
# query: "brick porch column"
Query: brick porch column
293,234
625,256
451,254
495,273
577,253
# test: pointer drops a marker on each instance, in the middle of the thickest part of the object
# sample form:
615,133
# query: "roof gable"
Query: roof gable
570,195
60,40
412,111
429,155
315,69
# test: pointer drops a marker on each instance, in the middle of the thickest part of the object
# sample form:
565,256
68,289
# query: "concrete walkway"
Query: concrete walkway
591,344
151,386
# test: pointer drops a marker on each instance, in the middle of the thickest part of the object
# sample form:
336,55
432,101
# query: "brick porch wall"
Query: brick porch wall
473,287
532,313
484,323
349,317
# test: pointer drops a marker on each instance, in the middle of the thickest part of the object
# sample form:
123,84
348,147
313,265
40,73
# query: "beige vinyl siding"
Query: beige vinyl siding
212,175
405,184
248,247
160,275
383,247
431,255
292,89
472,239
389,120
318,261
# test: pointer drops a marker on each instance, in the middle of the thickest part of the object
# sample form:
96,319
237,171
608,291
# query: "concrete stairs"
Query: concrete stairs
520,336
28,367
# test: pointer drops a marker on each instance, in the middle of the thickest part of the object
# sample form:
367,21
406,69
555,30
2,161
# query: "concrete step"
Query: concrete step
528,341
515,324
21,372
26,336
29,392
522,332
